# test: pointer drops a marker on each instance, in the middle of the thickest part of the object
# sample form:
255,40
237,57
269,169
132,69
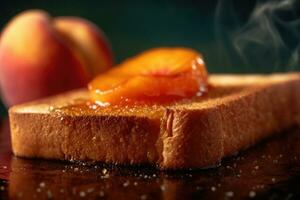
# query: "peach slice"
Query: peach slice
41,56
156,75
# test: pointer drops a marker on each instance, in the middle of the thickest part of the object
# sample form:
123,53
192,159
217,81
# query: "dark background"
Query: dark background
210,26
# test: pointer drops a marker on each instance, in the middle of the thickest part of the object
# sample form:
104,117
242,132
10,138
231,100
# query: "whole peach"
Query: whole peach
38,58
88,40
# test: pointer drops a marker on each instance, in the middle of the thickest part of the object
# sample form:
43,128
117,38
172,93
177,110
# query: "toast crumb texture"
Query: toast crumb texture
237,112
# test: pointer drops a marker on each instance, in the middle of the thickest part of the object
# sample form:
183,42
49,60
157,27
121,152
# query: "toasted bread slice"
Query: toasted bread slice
238,111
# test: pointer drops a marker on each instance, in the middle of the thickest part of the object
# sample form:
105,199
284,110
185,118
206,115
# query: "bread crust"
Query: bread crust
238,112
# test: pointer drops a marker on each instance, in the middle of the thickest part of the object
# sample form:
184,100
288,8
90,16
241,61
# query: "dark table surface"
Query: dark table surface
270,170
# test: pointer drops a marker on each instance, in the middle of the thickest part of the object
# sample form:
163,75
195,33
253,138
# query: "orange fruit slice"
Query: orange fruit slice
159,75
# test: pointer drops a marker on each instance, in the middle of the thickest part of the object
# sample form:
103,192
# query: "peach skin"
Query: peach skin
39,58
84,36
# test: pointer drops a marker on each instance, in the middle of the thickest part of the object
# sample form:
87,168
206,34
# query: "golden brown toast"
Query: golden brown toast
238,111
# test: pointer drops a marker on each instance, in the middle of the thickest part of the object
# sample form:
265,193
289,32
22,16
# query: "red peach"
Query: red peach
38,58
84,36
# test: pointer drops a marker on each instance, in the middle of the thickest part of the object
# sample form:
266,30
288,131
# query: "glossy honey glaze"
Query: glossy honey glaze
160,75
